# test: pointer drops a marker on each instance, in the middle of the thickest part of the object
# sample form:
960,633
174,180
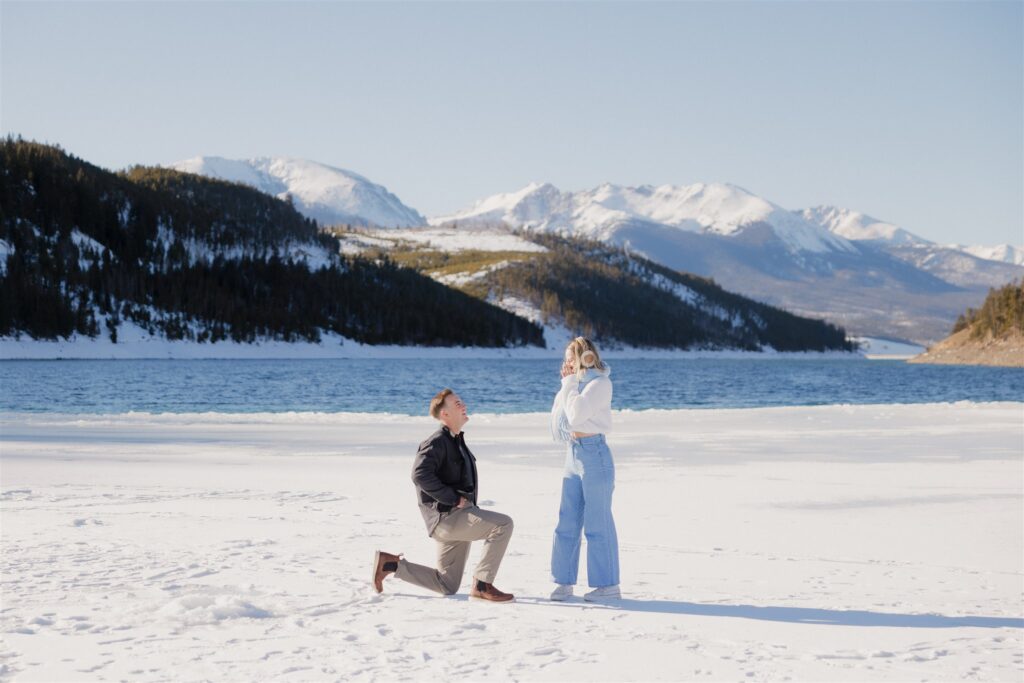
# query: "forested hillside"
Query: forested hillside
990,335
1000,315
603,291
83,249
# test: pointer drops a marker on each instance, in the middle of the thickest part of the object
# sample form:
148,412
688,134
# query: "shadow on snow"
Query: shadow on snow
792,615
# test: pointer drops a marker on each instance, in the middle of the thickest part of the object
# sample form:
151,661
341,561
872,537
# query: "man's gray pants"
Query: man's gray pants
454,534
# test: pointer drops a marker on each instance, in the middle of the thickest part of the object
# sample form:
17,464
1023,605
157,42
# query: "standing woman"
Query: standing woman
580,417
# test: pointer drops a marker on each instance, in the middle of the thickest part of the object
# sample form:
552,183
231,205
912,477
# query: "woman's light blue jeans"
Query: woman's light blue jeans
587,486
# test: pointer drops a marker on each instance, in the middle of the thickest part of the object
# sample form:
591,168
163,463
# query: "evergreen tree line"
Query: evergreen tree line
603,291
1001,314
241,286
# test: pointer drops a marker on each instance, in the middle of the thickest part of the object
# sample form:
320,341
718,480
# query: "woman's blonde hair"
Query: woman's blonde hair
585,355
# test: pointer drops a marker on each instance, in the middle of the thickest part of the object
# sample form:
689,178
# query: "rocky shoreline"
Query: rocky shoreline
960,349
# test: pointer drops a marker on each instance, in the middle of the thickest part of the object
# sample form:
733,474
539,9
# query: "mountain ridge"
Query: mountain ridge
718,208
325,193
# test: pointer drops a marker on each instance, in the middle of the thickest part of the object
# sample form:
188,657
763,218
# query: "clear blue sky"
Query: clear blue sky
912,112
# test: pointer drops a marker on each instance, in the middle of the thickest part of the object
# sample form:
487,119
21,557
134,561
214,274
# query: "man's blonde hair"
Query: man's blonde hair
437,403
585,356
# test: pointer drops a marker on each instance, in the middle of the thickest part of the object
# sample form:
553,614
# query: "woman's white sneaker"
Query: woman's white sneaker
603,593
562,593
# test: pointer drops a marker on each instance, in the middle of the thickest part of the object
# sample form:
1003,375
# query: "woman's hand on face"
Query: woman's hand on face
567,368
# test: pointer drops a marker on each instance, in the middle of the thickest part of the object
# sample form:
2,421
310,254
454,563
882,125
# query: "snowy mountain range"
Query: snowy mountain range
960,265
874,277
327,194
716,208
710,208
332,195
856,226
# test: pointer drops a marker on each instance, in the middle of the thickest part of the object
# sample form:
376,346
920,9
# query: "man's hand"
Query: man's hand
462,502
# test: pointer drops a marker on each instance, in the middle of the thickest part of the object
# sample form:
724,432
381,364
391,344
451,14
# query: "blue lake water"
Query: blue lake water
492,386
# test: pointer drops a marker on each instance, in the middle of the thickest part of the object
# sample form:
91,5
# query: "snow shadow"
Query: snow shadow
810,615
791,615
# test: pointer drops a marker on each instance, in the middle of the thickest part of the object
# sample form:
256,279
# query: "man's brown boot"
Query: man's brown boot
487,591
383,564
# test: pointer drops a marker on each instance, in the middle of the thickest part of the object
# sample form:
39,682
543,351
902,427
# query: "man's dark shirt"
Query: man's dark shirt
444,470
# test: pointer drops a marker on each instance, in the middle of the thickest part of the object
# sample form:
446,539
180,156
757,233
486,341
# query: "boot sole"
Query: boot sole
493,602
373,574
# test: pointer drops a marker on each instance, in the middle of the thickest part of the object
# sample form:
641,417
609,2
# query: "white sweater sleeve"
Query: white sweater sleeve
581,406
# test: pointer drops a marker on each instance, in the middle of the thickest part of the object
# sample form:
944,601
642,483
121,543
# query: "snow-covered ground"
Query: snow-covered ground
829,543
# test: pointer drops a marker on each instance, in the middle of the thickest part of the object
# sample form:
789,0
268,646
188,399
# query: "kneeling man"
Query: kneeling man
444,474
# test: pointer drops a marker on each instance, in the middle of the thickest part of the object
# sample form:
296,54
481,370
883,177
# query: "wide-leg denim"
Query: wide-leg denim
586,508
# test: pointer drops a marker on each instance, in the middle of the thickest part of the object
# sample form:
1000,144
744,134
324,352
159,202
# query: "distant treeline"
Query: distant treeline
195,258
1001,315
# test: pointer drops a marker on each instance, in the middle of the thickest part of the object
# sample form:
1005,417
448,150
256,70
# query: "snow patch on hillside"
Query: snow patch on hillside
355,243
6,249
454,240
556,335
681,292
460,279
313,255
447,239
84,242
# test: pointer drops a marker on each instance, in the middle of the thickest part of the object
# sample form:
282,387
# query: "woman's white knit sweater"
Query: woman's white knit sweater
588,411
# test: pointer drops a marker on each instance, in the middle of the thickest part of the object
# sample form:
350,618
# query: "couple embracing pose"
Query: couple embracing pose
445,476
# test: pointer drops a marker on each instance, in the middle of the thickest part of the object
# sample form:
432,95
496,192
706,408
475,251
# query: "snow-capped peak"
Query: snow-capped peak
329,195
856,226
1004,253
719,208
